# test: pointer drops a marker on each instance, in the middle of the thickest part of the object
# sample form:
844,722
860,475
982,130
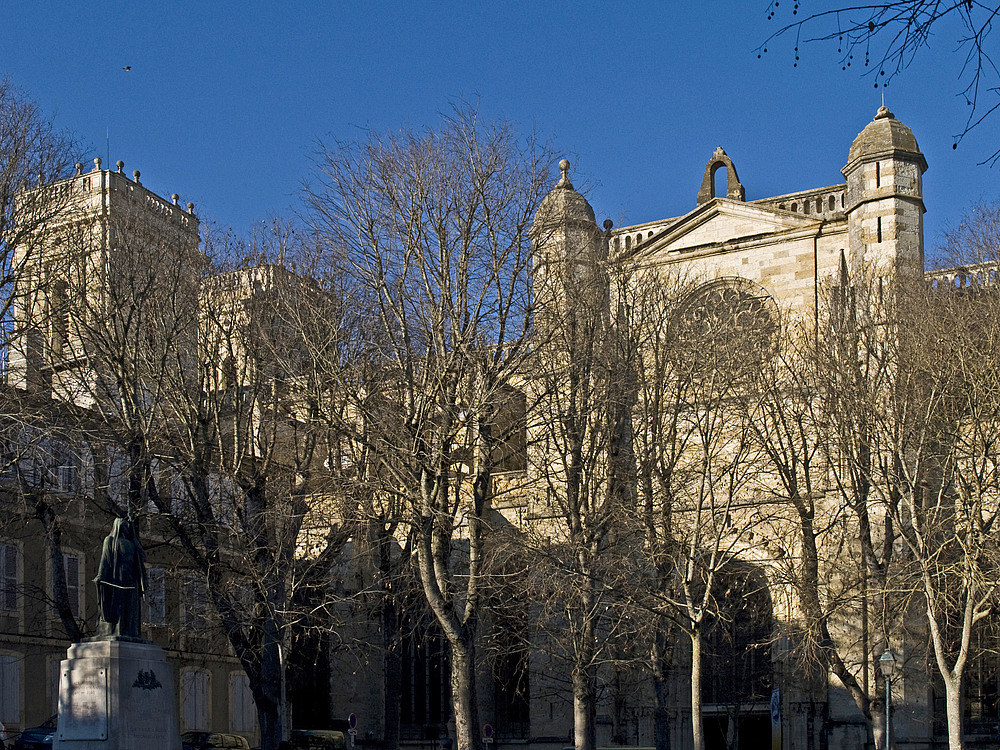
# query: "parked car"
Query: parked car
203,740
317,739
37,738
3,736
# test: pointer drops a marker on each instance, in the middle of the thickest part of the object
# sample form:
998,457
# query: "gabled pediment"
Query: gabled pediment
721,223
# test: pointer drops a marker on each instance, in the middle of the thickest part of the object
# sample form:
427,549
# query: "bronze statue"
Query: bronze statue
121,581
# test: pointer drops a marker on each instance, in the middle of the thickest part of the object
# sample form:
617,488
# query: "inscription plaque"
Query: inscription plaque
83,704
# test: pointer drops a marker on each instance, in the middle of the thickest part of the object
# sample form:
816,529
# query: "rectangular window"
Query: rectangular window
878,231
178,495
509,431
194,603
10,688
156,597
67,479
242,707
8,577
73,568
161,478
194,700
116,476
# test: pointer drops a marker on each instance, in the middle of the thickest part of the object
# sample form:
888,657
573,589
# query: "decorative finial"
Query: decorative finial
608,224
79,169
564,180
883,113
174,198
121,166
190,208
135,175
97,163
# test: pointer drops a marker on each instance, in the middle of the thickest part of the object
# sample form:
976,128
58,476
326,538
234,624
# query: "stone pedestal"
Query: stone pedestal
116,694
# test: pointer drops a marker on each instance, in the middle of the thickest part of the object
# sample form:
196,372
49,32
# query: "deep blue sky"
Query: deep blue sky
226,101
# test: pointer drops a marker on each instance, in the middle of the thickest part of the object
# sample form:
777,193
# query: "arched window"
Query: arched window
737,651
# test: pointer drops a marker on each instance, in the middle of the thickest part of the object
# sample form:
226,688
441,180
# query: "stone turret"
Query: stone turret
569,249
565,228
885,206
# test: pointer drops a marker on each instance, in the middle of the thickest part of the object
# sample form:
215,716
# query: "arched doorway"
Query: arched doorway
736,662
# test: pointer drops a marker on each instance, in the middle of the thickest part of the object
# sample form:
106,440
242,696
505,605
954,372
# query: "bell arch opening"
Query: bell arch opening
733,188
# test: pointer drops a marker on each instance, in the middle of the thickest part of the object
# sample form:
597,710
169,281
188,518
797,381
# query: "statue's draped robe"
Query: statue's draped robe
121,582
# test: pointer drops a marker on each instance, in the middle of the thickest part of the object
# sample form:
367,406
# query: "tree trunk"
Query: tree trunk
661,663
60,595
878,717
393,695
463,695
953,711
268,694
584,710
697,733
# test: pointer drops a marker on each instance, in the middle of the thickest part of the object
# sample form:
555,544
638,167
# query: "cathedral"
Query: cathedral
771,263
768,266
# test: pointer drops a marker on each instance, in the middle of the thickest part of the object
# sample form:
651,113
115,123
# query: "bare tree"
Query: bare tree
201,402
434,225
943,460
582,380
816,414
373,511
261,513
702,346
891,34
878,437
33,156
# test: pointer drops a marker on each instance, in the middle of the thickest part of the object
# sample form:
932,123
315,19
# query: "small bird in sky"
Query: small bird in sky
127,67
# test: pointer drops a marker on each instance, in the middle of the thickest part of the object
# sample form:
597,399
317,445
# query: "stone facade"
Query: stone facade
786,252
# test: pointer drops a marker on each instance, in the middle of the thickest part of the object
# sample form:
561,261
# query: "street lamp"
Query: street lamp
887,662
